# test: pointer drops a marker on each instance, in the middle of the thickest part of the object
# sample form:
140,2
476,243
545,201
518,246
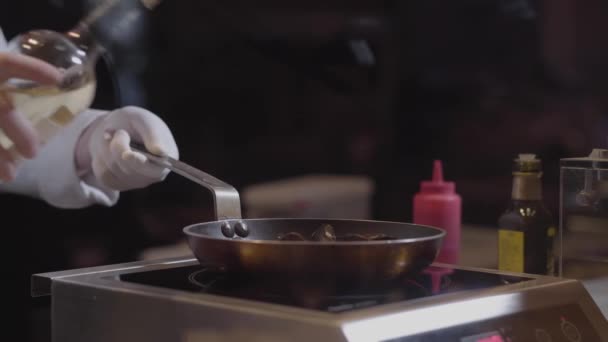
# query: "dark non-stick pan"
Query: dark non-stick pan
252,246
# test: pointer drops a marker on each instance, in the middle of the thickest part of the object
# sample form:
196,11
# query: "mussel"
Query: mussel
291,236
365,237
326,233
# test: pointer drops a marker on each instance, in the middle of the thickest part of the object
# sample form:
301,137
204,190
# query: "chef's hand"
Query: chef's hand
12,123
104,148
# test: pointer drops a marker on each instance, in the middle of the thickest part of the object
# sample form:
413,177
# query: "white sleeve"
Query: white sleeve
52,175
3,42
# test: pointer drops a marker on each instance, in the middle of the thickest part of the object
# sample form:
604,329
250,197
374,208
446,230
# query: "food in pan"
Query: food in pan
366,237
326,233
291,236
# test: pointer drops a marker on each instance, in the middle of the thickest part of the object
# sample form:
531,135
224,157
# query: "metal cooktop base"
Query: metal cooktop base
151,301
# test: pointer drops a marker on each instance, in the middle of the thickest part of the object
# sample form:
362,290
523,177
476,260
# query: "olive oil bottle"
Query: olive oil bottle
526,231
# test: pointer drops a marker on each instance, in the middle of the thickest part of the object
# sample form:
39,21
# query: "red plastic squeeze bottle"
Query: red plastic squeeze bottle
438,205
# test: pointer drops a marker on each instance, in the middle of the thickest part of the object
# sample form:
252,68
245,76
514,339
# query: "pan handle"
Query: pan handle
227,203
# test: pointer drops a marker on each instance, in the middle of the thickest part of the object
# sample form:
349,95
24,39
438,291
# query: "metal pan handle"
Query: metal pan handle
226,200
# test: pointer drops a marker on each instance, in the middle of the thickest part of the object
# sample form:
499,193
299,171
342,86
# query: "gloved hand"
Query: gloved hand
104,148
14,125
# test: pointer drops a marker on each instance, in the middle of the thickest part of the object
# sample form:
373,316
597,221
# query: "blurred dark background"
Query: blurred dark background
257,91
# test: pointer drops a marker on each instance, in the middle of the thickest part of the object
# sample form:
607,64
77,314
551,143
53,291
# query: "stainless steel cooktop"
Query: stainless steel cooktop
179,300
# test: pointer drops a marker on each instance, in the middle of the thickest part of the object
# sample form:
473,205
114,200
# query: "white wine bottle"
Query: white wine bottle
75,52
50,108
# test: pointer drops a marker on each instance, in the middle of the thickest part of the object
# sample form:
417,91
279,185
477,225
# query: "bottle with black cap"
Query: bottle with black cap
526,229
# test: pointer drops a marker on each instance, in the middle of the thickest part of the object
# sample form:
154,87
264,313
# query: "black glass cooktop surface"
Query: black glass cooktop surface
431,282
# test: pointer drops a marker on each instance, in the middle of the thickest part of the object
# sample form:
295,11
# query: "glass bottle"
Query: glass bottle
75,53
526,230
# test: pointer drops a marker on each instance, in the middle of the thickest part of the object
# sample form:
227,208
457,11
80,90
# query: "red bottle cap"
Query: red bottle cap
437,185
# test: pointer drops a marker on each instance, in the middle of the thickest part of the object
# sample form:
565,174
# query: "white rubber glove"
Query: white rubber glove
104,149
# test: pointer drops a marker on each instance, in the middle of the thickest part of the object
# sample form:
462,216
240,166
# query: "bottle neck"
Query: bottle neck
82,37
109,23
527,186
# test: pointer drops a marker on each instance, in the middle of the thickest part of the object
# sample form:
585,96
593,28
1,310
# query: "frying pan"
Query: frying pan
251,246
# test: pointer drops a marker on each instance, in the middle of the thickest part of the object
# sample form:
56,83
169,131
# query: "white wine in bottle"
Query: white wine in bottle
48,108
